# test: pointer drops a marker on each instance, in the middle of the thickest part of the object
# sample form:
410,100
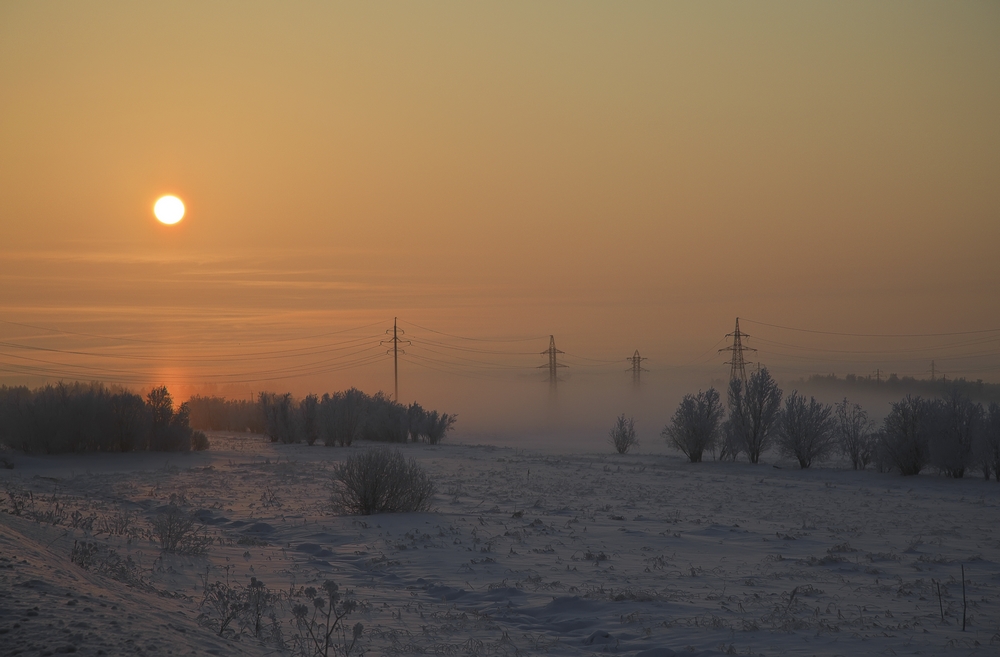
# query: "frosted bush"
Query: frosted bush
380,480
695,426
622,436
805,429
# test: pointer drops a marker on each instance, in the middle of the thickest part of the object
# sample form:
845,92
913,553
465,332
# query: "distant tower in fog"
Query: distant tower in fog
553,364
637,367
738,362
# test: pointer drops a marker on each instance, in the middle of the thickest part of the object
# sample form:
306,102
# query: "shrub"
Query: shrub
105,561
249,604
856,434
226,601
199,441
622,436
753,410
435,426
380,480
805,431
176,531
695,425
322,626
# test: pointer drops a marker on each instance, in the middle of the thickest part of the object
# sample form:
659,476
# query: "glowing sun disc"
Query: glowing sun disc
169,210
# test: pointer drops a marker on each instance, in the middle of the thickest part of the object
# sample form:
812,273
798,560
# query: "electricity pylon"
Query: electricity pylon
553,364
395,341
637,367
738,362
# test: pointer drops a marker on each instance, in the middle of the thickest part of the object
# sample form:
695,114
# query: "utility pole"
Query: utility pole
395,341
738,362
932,370
878,376
637,367
553,364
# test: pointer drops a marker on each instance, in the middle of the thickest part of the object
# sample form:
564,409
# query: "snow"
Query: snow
526,551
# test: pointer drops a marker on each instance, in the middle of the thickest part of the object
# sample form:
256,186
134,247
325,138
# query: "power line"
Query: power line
461,337
968,343
873,335
472,349
178,342
262,355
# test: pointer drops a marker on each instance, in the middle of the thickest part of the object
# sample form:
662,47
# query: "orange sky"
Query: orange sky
621,175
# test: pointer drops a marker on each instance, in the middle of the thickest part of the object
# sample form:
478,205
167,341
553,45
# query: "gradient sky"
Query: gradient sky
621,175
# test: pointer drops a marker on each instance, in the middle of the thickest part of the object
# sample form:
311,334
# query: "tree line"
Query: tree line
337,419
952,433
92,417
978,390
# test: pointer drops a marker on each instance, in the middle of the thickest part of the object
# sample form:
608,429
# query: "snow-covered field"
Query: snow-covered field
525,552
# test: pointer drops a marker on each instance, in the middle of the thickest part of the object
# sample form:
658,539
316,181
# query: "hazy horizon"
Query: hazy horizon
619,176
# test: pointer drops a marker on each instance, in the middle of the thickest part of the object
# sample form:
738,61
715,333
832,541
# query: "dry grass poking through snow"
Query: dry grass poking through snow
522,553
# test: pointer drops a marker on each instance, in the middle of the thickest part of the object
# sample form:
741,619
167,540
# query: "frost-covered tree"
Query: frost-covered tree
958,422
622,436
805,430
855,433
279,416
309,418
695,426
435,426
903,440
343,415
753,410
988,443
730,443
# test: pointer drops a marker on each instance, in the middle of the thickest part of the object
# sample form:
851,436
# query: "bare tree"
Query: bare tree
805,430
855,431
695,425
753,410
903,440
951,444
622,435
988,443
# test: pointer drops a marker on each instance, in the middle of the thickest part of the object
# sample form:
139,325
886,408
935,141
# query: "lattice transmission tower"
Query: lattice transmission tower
553,363
738,362
637,367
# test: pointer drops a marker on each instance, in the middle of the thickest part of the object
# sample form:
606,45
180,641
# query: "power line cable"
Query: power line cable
872,335
462,337
176,342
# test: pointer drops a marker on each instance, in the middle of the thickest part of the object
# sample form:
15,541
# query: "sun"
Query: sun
169,209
